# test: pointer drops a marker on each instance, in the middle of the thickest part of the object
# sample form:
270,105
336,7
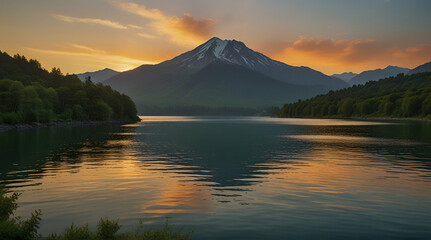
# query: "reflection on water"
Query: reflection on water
242,178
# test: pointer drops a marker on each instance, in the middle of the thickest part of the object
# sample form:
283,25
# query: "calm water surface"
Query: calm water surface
229,178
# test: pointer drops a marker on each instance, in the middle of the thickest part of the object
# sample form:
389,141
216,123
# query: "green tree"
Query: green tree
347,107
102,111
13,227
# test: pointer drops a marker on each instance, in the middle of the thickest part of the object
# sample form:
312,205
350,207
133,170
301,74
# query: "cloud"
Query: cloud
88,49
103,22
141,10
134,26
192,26
94,56
182,30
146,35
332,56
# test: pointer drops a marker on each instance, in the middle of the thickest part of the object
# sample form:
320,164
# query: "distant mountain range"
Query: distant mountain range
422,68
221,73
98,76
346,76
374,75
226,73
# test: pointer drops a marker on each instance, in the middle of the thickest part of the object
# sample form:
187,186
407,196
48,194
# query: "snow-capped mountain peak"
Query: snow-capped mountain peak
228,51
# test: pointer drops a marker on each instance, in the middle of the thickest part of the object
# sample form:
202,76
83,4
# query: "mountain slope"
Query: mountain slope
243,78
98,76
346,76
374,75
400,96
222,84
237,53
422,68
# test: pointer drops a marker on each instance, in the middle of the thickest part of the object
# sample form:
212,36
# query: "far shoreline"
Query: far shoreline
37,125
364,118
390,118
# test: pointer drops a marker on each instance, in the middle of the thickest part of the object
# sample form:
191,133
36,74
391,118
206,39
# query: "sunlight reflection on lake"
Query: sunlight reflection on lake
230,177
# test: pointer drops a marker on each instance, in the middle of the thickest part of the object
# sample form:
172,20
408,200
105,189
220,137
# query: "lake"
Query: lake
229,177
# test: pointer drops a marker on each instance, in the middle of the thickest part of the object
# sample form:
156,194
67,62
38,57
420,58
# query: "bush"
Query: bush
13,227
107,229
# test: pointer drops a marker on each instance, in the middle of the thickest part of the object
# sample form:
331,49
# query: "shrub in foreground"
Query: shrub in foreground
13,227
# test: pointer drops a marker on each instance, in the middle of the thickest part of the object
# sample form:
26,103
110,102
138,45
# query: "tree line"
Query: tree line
399,96
29,93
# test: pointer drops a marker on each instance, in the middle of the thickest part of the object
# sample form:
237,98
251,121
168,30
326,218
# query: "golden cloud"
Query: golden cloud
141,10
87,49
93,59
192,26
103,22
146,35
333,56
182,30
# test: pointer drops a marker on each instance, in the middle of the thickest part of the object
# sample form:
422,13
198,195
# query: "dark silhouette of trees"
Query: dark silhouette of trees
29,93
400,96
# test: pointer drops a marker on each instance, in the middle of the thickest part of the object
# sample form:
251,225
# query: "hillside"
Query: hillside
400,96
29,93
221,73
98,76
422,68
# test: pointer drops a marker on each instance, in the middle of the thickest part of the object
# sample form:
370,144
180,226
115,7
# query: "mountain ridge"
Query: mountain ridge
426,67
98,76
345,76
376,74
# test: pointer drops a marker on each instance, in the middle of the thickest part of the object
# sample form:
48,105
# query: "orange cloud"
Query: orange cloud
333,56
103,22
88,49
92,59
186,30
146,35
141,10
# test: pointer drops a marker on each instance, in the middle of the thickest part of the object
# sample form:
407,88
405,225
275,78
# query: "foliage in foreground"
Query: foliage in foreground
108,230
12,227
29,93
400,96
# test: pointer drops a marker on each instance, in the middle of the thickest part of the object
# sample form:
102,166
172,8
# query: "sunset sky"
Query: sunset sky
331,36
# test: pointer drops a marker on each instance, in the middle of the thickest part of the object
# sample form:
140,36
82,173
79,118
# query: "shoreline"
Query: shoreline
365,118
37,125
390,118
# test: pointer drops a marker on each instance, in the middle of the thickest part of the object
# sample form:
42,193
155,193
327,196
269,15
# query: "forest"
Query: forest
402,96
29,94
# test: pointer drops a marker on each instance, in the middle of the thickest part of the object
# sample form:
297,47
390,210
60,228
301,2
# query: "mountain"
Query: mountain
98,76
346,76
221,73
399,96
394,70
422,68
374,75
